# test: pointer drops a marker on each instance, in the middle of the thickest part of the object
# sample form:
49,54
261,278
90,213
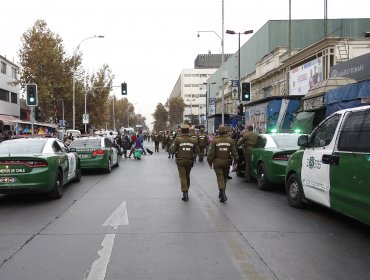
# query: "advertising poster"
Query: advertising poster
212,106
304,77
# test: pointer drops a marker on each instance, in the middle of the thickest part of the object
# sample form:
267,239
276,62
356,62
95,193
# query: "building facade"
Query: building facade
274,69
9,94
192,86
272,40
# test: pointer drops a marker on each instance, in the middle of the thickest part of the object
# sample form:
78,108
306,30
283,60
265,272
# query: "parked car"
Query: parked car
269,158
332,167
96,153
41,165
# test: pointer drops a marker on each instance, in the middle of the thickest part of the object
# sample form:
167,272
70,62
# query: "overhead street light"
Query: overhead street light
233,33
74,80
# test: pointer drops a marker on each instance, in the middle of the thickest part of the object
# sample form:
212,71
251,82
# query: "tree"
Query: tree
160,116
175,107
43,62
100,85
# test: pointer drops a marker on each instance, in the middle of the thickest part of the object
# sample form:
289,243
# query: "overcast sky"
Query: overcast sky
147,43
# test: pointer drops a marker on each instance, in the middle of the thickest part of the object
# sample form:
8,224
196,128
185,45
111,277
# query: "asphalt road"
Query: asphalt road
132,224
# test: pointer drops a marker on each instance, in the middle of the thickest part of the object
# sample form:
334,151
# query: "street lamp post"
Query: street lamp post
222,56
207,100
232,33
74,80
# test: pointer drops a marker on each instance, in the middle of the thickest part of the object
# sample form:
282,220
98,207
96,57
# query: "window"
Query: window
323,135
14,98
3,67
4,95
56,147
14,73
355,133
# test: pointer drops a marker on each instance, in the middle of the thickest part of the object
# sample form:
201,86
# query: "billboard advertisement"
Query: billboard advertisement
304,77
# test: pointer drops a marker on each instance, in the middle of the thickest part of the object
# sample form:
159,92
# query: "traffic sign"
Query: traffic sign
85,118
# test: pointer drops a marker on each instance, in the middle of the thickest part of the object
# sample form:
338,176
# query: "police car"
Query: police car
333,164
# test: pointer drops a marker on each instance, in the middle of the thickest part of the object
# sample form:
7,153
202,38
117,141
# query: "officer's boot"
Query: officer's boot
185,196
220,194
223,196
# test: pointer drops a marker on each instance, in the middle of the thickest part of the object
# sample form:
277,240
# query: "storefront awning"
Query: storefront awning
7,119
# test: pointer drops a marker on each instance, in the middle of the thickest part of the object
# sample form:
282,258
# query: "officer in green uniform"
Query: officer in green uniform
170,139
221,149
249,140
203,143
185,148
156,138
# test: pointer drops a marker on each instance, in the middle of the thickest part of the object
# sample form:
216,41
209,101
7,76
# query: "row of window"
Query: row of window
198,75
3,70
4,96
194,95
193,85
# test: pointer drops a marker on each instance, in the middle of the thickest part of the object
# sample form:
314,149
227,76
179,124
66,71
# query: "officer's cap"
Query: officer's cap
222,129
184,126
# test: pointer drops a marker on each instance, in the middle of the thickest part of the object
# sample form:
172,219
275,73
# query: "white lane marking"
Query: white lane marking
118,218
99,267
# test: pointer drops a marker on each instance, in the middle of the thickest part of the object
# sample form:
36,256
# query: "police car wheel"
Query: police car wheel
294,191
262,181
108,169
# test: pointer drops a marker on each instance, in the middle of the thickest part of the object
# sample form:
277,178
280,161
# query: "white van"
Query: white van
75,133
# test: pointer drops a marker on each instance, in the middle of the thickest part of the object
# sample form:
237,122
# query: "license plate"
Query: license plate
7,180
84,156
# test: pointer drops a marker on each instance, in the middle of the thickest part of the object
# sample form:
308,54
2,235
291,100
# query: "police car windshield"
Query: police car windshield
86,143
286,140
22,146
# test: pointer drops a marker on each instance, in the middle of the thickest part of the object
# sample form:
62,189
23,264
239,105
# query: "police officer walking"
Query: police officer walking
249,140
156,138
203,143
221,149
185,148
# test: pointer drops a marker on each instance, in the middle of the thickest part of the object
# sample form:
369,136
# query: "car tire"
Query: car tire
262,180
294,191
109,166
78,173
57,191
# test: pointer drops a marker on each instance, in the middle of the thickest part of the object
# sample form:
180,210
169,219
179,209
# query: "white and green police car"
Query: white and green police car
332,167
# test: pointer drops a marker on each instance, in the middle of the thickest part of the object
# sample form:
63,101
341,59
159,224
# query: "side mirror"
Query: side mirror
303,141
72,150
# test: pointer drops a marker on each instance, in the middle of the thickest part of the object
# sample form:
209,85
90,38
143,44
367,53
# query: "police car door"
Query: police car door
71,160
315,175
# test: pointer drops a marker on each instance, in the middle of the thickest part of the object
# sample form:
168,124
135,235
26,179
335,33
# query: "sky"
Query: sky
148,43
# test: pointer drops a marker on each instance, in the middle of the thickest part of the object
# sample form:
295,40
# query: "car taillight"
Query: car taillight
97,152
281,157
36,163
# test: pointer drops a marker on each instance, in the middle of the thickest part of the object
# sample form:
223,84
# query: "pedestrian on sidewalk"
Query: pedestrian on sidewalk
222,149
186,149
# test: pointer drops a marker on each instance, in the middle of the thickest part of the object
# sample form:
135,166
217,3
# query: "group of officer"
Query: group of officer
187,145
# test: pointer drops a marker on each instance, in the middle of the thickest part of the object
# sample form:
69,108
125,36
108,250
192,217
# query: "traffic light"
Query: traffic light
246,91
37,113
124,88
31,90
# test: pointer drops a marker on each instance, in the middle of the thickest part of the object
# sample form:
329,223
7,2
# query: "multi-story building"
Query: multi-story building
9,93
276,69
192,86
